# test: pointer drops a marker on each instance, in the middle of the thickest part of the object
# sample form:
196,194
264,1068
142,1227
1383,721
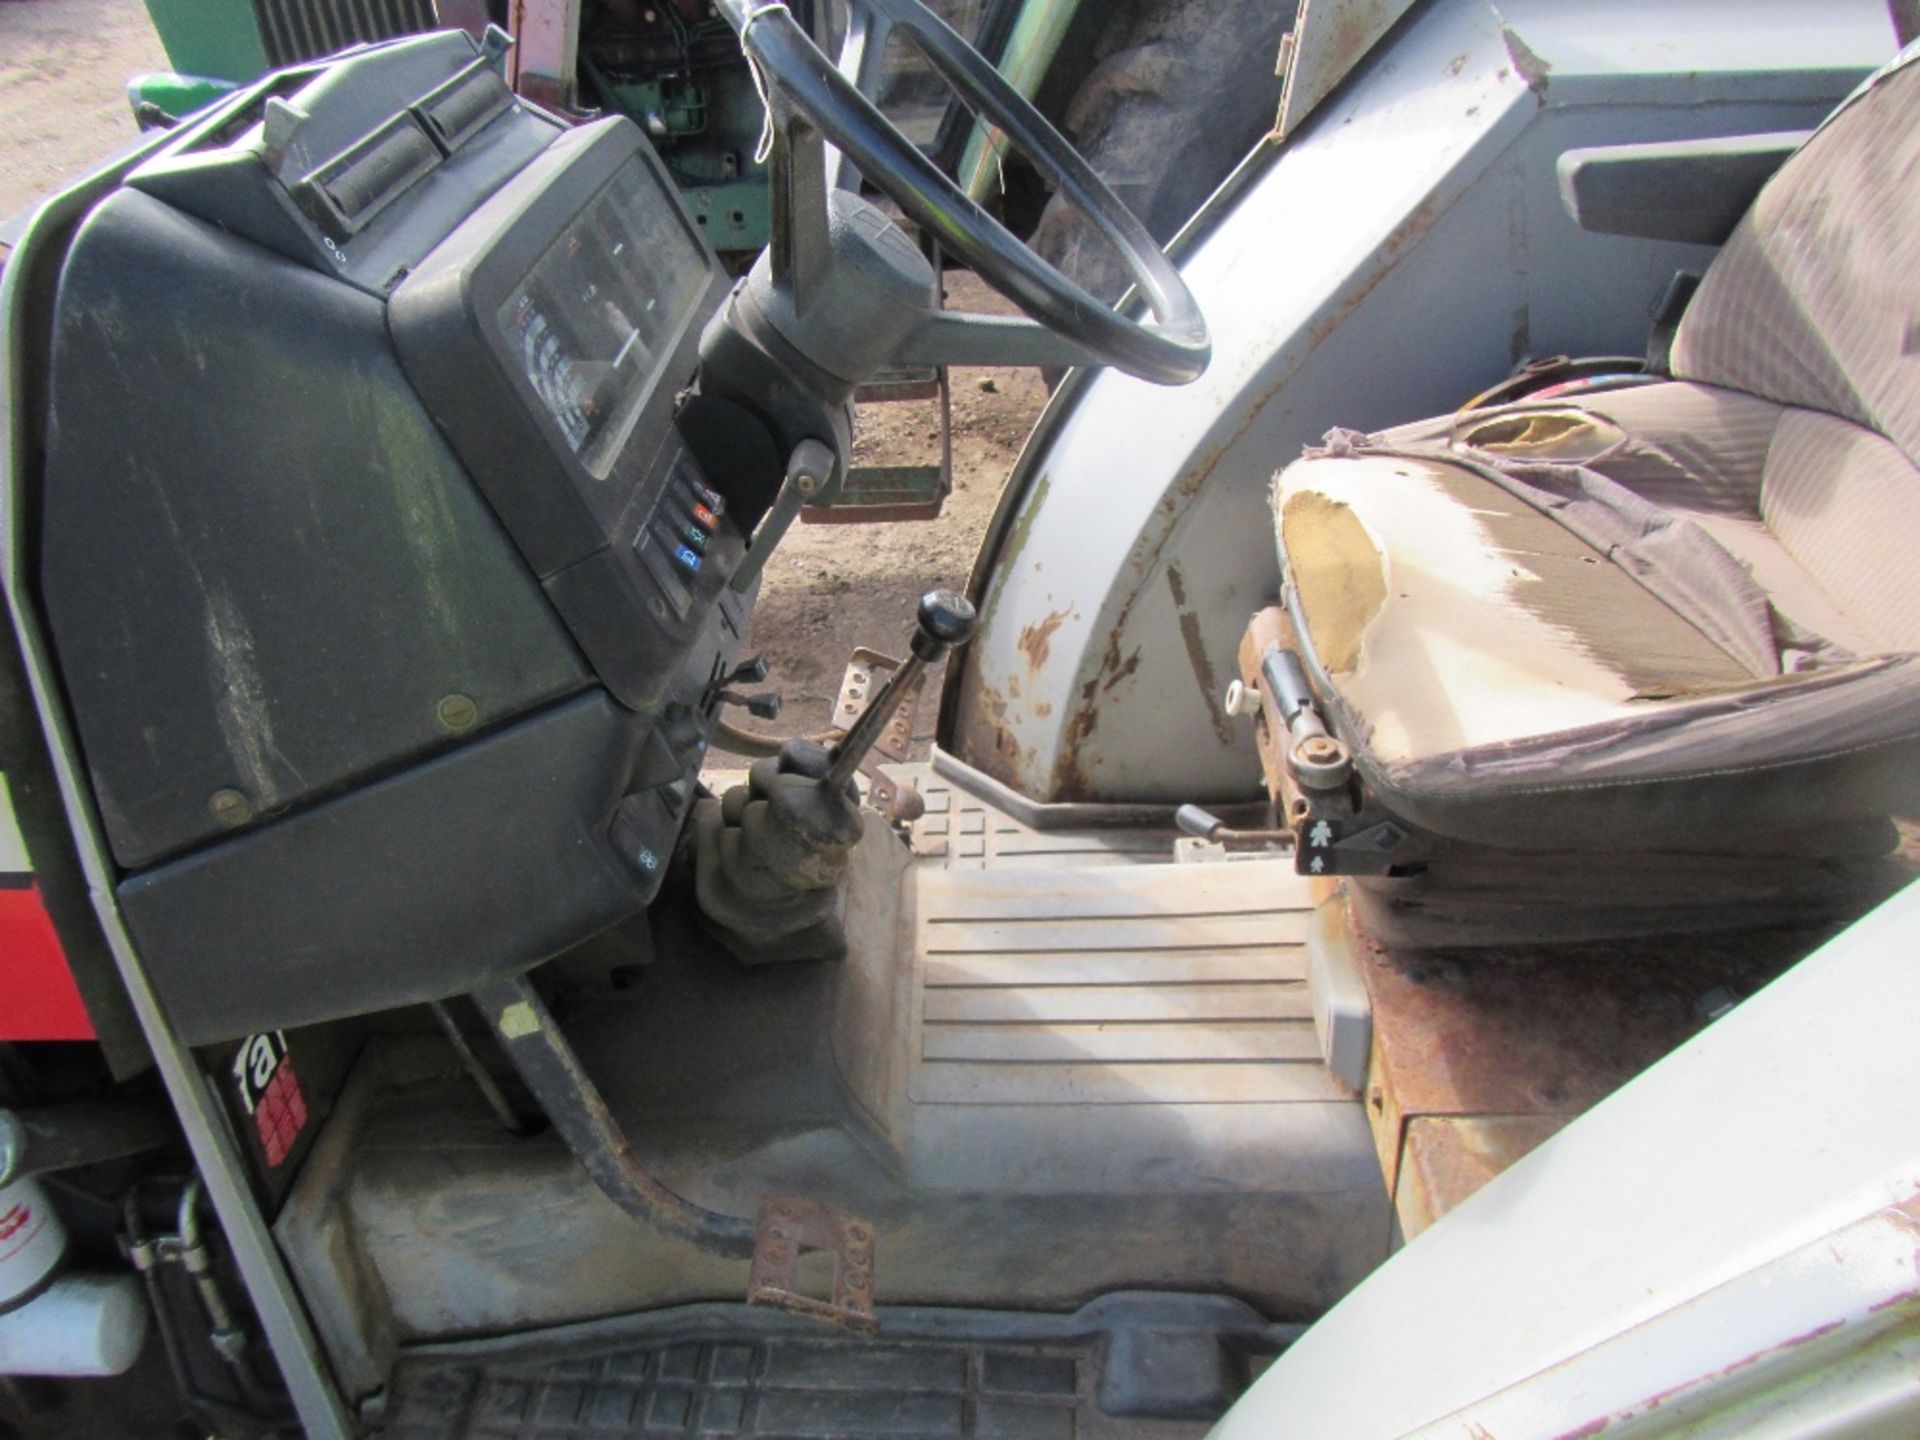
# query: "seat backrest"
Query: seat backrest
1814,303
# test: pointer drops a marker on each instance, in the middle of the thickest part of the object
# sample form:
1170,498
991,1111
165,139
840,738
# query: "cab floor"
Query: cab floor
1054,1066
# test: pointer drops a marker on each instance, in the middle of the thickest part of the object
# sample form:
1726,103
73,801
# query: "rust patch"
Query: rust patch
1907,1215
980,733
1322,52
1036,639
1195,645
1043,709
1351,39
1070,778
1000,755
1018,534
1446,1158
1537,1029
1653,1402
1126,668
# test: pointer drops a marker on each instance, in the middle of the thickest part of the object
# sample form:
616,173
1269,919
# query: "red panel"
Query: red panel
38,999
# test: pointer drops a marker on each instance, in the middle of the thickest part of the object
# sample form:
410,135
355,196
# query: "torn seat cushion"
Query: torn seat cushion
1673,615
1669,616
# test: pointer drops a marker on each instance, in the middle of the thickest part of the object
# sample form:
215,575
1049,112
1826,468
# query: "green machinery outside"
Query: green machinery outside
674,66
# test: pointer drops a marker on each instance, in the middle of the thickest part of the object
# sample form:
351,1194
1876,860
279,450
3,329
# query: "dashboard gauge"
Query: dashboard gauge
552,372
589,320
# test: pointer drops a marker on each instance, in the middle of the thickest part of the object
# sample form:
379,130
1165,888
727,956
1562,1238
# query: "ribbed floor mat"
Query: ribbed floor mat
731,1371
1133,984
965,831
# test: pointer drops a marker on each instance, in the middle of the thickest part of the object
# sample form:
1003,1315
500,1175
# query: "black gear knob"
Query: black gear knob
946,619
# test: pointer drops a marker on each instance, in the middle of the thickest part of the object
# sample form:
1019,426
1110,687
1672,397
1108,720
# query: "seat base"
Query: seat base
1435,890
1477,897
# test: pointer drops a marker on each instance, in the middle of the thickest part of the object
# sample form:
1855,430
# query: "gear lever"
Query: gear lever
771,856
946,621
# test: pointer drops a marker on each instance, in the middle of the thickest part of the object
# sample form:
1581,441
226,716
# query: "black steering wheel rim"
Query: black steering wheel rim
1172,351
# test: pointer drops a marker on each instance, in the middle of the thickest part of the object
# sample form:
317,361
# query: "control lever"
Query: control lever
811,472
770,857
946,621
721,691
764,706
1205,825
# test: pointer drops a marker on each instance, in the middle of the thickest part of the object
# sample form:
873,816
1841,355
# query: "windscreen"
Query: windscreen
593,317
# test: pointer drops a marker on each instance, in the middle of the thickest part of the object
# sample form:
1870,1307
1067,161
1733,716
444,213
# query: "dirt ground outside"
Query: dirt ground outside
64,65
830,588
63,99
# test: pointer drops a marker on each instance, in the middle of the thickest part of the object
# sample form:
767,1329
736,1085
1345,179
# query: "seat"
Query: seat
1679,616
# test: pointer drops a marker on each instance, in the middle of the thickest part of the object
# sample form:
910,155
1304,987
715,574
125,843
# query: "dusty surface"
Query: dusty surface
63,71
832,587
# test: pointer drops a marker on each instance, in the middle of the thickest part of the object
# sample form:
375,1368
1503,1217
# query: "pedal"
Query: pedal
900,382
789,1228
883,494
870,494
866,672
873,494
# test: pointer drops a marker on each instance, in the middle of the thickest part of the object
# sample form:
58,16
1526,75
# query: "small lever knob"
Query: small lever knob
764,706
1200,823
946,619
1203,824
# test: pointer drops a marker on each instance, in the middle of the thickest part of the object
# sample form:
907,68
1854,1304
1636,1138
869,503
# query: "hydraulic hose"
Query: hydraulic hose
574,1104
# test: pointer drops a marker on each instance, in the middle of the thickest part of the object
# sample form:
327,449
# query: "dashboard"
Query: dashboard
552,336
411,686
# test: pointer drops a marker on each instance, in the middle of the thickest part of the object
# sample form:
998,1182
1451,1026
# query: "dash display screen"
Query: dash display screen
599,308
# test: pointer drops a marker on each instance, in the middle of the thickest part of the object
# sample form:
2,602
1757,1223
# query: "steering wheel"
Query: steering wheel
809,98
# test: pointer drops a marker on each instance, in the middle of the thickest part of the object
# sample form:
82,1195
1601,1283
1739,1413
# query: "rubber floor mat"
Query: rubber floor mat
1154,1367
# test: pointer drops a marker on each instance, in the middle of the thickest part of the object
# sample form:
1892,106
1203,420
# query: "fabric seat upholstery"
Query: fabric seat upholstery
1672,616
